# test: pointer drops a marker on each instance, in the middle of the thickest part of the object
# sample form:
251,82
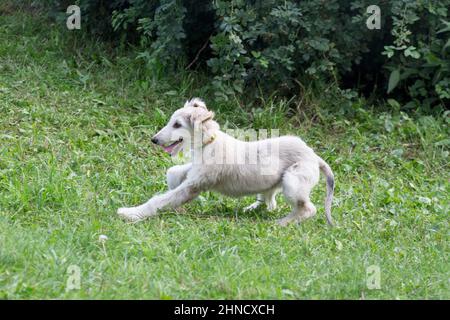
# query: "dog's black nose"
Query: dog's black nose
155,141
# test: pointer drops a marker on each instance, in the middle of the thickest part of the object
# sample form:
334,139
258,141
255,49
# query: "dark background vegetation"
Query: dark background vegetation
251,48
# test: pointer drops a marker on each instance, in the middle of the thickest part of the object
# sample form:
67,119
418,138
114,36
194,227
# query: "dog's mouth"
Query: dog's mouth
172,148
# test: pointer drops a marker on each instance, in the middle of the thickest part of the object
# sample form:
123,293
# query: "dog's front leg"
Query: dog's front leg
171,199
177,174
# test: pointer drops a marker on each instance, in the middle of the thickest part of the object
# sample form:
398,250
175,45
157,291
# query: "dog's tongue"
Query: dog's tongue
170,148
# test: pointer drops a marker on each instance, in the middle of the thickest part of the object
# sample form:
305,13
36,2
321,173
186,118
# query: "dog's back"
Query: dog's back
254,167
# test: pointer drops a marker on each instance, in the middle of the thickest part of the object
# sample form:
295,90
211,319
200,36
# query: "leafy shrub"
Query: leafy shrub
270,45
419,57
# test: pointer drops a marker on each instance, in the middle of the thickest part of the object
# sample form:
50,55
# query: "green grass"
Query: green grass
76,119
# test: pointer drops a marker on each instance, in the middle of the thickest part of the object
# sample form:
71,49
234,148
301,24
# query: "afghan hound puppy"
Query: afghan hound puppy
233,167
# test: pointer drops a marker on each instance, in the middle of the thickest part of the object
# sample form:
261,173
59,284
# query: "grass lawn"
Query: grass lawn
76,119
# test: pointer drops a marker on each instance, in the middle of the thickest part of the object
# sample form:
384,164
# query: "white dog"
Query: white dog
233,167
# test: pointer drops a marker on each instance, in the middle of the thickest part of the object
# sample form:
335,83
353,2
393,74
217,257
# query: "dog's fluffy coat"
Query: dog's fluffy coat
284,163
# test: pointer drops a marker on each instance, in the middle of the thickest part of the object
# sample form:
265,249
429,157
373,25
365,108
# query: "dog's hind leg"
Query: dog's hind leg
177,174
267,197
297,183
270,199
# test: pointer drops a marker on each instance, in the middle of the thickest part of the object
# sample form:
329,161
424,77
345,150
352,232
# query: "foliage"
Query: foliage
276,44
280,46
420,53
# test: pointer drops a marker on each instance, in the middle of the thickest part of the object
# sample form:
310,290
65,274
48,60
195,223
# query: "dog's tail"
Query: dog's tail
328,173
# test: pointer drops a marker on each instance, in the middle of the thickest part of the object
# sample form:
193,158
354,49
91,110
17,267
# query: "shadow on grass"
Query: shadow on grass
229,211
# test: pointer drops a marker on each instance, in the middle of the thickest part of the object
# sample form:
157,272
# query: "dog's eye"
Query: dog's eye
176,125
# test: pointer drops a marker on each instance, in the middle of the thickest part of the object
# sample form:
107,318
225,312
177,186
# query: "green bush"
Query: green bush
419,58
269,45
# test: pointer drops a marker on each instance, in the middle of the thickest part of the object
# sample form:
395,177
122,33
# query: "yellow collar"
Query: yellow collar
213,137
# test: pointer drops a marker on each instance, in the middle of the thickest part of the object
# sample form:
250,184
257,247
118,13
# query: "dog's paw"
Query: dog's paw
252,207
130,214
272,206
284,222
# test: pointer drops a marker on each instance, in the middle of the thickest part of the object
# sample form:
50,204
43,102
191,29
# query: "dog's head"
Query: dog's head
191,124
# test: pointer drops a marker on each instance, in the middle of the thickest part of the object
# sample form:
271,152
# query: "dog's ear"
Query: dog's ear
200,116
199,104
201,120
195,103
